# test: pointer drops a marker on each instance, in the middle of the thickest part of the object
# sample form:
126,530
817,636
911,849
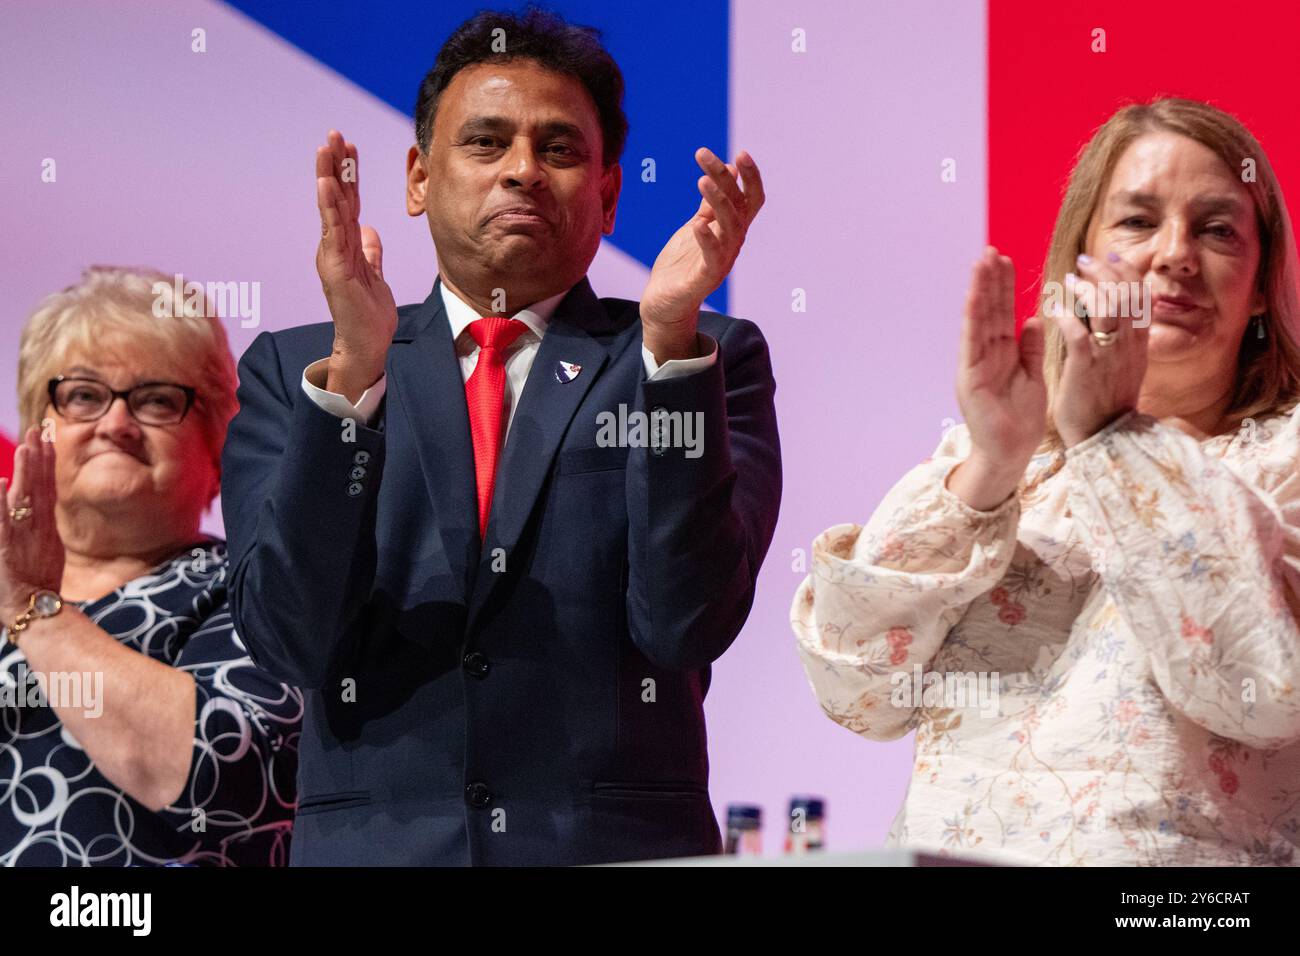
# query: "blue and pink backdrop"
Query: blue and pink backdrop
202,163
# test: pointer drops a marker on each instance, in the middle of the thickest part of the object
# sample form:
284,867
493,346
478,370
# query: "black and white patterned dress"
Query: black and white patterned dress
57,809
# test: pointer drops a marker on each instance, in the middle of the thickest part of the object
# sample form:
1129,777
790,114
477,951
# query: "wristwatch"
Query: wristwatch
42,603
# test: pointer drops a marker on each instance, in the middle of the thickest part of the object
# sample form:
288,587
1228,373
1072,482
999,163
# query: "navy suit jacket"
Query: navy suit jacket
539,698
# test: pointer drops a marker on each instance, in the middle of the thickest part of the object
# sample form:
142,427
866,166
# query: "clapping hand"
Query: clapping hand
31,551
349,260
700,254
1106,360
1000,386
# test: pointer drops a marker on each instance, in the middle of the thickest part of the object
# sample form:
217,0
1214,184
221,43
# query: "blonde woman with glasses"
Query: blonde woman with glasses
155,740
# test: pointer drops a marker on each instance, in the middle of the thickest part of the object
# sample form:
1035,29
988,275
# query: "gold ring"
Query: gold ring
19,514
1103,338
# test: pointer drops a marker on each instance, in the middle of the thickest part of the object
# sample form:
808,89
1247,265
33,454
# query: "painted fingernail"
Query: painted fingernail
1112,257
1070,280
1084,260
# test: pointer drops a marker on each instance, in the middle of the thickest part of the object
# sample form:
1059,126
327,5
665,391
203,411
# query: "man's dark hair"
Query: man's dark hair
533,34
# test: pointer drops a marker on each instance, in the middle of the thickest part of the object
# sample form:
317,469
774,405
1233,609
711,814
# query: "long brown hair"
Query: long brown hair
1268,373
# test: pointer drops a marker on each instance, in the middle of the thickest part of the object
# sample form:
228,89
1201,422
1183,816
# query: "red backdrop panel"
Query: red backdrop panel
1048,92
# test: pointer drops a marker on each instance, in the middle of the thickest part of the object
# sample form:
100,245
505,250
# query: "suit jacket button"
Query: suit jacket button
357,473
478,796
477,664
354,489
361,457
658,417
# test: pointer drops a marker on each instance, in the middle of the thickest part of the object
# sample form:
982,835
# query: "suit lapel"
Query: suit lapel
546,408
425,381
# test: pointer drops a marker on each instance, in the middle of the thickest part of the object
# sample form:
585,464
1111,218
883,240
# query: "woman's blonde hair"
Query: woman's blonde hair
112,309
1268,373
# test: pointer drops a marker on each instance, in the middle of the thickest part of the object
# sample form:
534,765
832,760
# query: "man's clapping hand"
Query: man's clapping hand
699,255
350,263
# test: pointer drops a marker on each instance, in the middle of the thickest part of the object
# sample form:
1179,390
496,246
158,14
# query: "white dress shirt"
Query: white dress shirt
519,359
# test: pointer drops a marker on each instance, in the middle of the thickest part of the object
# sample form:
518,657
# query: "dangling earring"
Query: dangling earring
1260,333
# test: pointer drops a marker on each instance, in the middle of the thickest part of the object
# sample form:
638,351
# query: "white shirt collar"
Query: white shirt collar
460,313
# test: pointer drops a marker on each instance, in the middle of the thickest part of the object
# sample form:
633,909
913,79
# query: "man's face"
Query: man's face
513,184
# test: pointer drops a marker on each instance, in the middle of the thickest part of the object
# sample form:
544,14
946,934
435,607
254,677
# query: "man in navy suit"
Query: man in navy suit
501,536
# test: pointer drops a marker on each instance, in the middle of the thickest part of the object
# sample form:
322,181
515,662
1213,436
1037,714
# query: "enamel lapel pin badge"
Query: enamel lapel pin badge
566,372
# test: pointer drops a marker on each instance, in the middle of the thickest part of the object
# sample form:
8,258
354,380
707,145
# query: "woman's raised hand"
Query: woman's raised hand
1099,383
31,551
1000,386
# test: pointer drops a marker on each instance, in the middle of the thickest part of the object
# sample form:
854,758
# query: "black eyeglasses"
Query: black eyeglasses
150,403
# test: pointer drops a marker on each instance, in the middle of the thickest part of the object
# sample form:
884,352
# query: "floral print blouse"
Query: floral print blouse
1102,670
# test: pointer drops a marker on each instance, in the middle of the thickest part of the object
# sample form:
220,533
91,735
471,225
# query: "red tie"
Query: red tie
484,392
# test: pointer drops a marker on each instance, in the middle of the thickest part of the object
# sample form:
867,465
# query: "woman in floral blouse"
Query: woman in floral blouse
1085,602
134,728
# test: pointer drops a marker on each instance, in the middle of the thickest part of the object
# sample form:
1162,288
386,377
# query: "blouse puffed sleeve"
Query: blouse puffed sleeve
1201,556
881,599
